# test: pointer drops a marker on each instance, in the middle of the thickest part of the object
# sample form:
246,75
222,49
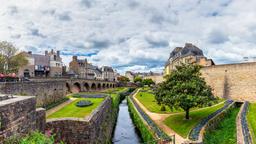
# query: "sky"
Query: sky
136,35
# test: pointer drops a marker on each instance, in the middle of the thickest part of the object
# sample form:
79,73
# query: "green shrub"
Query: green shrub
33,138
53,104
146,134
163,108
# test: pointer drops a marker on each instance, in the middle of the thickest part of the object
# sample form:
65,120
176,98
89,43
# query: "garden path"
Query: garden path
159,120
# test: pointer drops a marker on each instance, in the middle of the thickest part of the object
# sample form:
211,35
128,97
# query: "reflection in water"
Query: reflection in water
125,132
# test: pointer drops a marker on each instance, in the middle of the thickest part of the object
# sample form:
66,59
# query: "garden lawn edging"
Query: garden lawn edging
213,123
243,131
196,134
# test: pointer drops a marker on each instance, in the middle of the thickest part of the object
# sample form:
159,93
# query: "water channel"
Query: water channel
125,131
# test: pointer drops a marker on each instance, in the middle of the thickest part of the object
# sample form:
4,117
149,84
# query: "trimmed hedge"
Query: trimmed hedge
54,104
146,134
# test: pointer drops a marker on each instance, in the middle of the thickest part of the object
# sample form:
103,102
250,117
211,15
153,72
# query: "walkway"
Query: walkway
158,119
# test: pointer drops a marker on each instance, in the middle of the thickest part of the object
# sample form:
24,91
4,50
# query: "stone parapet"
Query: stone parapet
19,116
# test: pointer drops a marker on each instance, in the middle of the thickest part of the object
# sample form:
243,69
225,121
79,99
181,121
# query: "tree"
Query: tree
10,61
184,88
137,79
123,79
148,82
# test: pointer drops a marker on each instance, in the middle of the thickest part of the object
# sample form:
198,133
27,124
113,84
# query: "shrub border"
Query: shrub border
158,134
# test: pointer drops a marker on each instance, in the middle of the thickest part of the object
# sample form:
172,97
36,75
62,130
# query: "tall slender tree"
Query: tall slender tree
184,88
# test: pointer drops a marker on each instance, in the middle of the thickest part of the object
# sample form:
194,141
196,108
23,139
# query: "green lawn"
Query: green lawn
71,110
182,126
251,117
148,100
225,133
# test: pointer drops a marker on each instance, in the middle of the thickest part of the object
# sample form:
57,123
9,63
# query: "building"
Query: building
81,68
130,75
48,65
189,54
108,73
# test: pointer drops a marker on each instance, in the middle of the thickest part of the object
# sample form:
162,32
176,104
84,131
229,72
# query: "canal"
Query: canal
125,131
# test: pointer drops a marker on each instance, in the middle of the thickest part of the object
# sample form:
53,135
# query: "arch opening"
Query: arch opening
93,87
86,86
76,88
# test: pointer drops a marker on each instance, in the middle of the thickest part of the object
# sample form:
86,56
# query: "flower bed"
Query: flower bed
245,128
195,132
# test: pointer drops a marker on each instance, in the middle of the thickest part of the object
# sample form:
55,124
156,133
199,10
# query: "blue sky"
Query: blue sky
131,34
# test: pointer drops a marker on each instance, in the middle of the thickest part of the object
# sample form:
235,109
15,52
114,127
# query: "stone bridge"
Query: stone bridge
51,90
77,85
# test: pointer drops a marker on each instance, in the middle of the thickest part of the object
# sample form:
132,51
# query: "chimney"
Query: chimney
30,52
58,53
188,45
46,53
74,58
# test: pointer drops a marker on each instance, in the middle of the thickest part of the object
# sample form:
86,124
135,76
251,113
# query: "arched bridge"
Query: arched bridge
82,85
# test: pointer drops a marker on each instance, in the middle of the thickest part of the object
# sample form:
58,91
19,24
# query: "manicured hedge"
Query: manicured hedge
54,104
146,134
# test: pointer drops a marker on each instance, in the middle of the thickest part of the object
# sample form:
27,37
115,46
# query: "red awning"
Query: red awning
2,75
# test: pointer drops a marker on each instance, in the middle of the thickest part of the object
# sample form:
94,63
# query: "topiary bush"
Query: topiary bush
163,108
83,103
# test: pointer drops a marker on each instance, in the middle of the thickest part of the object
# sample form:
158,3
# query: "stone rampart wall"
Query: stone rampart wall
232,81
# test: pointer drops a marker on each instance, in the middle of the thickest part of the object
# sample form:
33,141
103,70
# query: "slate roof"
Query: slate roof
188,49
41,60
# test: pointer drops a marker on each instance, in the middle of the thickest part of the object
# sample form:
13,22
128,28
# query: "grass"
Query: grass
71,110
251,118
148,100
225,133
180,125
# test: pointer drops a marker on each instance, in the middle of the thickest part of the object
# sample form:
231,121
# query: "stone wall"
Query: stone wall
52,90
96,128
232,81
46,92
20,116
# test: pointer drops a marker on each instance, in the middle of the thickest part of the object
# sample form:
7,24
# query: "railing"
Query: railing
163,137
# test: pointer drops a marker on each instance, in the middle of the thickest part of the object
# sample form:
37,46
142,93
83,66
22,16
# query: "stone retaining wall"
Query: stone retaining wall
19,116
95,128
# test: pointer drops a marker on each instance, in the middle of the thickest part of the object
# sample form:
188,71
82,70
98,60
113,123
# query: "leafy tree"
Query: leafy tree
148,82
184,88
123,79
137,79
10,61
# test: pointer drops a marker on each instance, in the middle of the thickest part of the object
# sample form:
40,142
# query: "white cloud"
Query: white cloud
131,34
